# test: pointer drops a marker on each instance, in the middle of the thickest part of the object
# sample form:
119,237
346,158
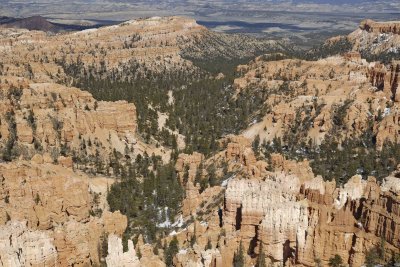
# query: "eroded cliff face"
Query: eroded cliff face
132,48
152,42
59,120
380,27
295,90
38,246
386,79
299,219
376,37
302,227
45,216
51,209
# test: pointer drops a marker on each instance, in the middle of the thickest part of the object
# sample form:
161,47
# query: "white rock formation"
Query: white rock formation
117,258
20,246
391,183
284,223
353,189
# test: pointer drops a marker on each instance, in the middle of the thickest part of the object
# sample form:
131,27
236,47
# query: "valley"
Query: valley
158,142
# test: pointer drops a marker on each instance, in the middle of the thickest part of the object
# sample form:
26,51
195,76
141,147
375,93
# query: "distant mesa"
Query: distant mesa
39,23
30,23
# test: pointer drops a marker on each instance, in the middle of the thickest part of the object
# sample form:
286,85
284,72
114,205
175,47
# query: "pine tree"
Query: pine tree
238,258
209,245
186,174
335,261
212,177
256,145
193,238
261,257
171,251
199,172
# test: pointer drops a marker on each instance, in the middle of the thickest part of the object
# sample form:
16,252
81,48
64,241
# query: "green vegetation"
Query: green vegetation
10,151
198,106
385,57
327,49
336,261
238,257
372,257
340,160
376,256
337,157
209,245
261,257
171,251
202,108
37,198
102,247
148,193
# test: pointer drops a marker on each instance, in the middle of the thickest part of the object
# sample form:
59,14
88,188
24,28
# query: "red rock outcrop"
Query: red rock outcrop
380,27
239,155
53,115
155,43
189,163
392,80
387,79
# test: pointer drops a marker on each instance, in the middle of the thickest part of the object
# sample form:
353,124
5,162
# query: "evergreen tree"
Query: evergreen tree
336,261
261,257
186,174
209,245
171,251
256,144
238,258
372,257
212,176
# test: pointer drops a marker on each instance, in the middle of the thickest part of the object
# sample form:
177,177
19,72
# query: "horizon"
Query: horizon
296,21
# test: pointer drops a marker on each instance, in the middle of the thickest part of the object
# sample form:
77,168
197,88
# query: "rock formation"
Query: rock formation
299,219
64,120
239,155
155,44
387,79
20,246
50,213
301,223
46,208
148,41
189,164
376,38
380,27
297,89
116,257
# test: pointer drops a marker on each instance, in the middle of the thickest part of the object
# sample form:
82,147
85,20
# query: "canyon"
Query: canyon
64,152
